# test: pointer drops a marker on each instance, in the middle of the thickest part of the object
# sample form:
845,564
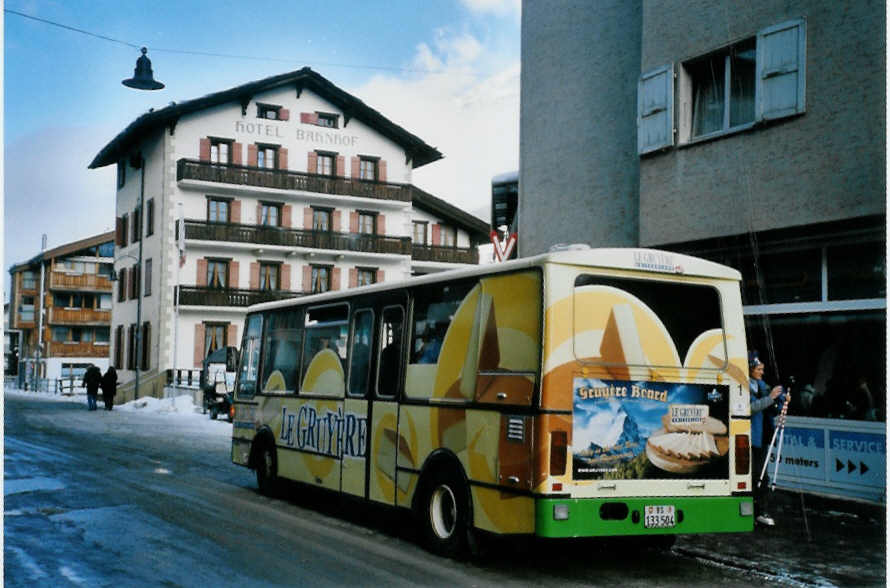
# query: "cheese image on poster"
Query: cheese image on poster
649,430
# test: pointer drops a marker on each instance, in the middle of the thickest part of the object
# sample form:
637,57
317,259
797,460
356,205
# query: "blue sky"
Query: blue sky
446,70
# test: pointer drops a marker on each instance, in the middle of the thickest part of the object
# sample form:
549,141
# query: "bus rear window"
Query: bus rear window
685,310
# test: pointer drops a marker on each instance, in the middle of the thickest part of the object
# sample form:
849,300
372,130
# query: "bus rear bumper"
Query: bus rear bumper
595,517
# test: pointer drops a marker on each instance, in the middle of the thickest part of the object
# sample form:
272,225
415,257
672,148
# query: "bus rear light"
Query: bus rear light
742,486
557,486
558,449
742,455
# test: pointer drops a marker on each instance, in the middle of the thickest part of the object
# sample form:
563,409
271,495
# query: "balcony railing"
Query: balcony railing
65,281
263,235
79,349
444,254
203,296
190,169
79,316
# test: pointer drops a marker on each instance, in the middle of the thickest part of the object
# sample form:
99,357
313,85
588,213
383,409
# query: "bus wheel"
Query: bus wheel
443,514
266,469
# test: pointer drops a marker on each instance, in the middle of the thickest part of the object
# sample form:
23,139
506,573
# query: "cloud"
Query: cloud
498,7
467,106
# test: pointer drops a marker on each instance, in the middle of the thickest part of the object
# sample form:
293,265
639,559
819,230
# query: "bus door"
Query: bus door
354,441
387,382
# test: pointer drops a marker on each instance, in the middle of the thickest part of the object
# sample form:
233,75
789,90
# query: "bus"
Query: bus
579,393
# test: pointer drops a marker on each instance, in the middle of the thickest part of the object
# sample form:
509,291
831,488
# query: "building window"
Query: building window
29,281
367,276
101,334
214,337
119,347
121,173
122,284
217,273
267,111
723,89
137,224
327,120
59,334
217,210
270,215
267,156
367,223
131,347
221,151
145,347
321,219
325,163
367,169
269,276
149,217
321,278
135,275
124,228
419,234
449,237
148,277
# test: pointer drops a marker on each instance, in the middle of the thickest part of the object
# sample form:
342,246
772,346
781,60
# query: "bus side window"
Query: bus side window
281,352
250,357
360,362
390,359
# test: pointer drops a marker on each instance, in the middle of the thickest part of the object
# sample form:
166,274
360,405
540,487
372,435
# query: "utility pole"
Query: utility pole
39,350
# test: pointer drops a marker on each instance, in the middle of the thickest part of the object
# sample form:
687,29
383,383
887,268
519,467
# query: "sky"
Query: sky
448,73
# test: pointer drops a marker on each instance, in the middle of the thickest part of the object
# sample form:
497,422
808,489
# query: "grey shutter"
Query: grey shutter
655,110
781,70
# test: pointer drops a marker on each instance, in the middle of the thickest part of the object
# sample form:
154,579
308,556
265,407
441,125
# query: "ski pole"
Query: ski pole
772,441
781,428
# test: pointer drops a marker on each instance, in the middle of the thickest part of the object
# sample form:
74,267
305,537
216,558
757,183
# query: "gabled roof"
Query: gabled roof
477,228
301,79
66,249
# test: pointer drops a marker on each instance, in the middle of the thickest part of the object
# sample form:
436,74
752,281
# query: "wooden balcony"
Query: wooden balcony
79,316
80,349
444,254
204,296
263,235
190,169
84,282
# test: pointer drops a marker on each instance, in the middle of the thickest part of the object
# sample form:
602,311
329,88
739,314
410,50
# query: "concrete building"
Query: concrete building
71,286
287,186
752,134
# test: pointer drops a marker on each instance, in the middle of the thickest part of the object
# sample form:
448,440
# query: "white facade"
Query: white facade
319,230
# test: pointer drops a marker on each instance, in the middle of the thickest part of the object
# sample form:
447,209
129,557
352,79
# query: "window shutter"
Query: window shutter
285,277
286,213
341,166
437,234
335,278
254,275
312,163
282,158
235,211
355,167
309,118
307,278
204,149
283,114
353,277
380,276
381,224
233,274
236,154
146,346
781,70
336,221
251,155
199,344
353,222
307,218
381,171
118,226
232,335
201,278
655,110
259,214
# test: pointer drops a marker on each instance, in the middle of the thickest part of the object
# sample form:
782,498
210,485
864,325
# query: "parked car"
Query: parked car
218,381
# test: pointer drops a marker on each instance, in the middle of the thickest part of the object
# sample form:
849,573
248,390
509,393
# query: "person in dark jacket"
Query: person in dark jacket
92,379
765,405
109,387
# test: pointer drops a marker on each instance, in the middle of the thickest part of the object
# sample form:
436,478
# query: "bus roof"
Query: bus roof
651,261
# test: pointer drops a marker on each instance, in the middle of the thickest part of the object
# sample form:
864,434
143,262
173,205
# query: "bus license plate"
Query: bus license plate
659,516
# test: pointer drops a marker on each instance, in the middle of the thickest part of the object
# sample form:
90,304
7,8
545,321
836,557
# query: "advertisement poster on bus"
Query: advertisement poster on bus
649,430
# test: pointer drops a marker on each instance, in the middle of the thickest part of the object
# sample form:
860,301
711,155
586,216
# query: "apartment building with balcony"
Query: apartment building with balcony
284,186
71,285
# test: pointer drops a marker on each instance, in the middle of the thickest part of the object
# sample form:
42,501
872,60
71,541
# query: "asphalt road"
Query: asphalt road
131,499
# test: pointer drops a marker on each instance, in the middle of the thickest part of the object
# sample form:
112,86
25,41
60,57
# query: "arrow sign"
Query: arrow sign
851,467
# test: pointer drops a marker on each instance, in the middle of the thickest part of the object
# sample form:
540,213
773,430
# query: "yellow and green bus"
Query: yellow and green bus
584,392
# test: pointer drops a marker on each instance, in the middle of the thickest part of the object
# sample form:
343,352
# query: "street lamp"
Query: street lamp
138,162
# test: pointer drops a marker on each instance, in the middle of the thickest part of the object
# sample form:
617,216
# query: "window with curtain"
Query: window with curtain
217,273
220,151
214,337
321,278
367,223
270,215
267,156
449,236
367,276
217,210
269,276
325,164
723,89
321,219
419,235
367,169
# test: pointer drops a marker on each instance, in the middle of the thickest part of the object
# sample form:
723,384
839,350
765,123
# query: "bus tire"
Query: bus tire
443,513
266,468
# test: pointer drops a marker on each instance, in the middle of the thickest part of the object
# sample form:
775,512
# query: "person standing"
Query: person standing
92,379
109,387
764,408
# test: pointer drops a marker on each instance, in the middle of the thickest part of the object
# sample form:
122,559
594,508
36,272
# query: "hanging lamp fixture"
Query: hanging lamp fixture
142,76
